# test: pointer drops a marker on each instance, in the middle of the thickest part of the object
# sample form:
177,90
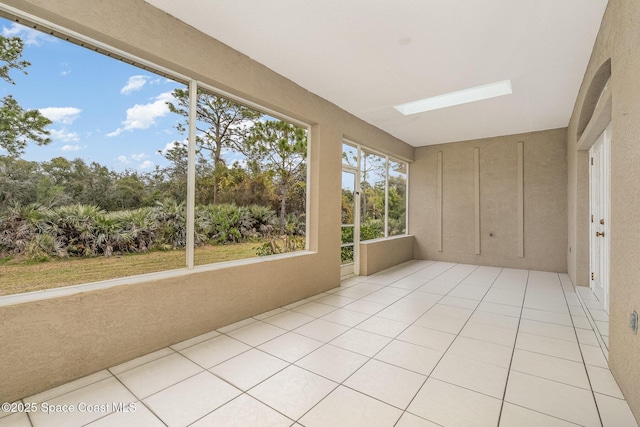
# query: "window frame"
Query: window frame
66,35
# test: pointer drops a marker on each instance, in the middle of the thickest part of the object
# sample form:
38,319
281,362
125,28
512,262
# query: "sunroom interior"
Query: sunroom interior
493,189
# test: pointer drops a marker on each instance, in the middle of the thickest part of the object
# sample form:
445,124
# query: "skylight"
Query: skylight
464,96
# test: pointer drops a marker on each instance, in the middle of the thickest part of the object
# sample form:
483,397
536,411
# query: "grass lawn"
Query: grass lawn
17,276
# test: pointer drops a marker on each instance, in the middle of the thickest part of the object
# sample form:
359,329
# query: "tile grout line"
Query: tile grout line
513,351
372,357
584,363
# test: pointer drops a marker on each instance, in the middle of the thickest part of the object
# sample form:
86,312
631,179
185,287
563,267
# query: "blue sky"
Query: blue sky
102,109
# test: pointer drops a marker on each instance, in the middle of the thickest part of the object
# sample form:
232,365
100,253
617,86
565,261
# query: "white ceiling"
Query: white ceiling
368,55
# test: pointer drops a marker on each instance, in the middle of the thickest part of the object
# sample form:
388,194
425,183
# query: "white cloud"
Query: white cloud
143,116
28,35
134,84
171,145
123,159
138,157
64,115
64,136
71,148
147,164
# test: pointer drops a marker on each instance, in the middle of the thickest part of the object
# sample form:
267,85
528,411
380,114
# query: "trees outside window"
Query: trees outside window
95,170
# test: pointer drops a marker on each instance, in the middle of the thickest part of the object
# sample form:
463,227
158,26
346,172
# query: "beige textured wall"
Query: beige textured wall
618,39
379,255
50,342
545,201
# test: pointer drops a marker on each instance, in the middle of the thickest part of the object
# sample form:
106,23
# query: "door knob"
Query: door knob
599,234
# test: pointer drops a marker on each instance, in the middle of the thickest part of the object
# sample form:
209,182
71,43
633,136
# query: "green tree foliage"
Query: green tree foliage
281,148
221,124
17,125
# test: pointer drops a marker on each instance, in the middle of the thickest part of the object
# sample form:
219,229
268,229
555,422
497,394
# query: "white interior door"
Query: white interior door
599,173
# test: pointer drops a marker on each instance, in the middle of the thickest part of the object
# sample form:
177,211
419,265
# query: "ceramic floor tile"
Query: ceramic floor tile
346,317
400,314
191,399
192,341
256,333
248,369
577,311
493,319
614,412
346,407
236,325
366,307
547,317
269,313
477,376
69,387
334,363
293,391
587,337
290,346
386,327
409,420
321,330
425,337
506,310
381,298
469,292
459,302
154,376
435,289
603,328
315,309
440,403
552,398
335,300
517,416
216,350
599,315
103,392
603,382
451,325
289,320
489,333
550,330
581,322
410,356
482,351
361,342
593,356
388,383
549,346
551,368
16,420
142,416
244,411
514,301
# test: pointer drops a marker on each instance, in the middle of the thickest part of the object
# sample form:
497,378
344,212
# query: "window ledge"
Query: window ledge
44,294
384,239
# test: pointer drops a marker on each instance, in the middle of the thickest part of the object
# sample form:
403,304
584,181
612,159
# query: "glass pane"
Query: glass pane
349,155
397,198
346,254
348,198
84,194
251,176
372,196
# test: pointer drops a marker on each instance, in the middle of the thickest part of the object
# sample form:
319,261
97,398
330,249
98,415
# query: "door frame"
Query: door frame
594,224
353,267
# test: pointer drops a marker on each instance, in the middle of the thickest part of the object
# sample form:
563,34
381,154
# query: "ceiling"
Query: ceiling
368,55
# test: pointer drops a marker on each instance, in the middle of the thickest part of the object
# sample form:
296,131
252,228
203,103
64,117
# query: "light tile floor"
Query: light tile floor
421,344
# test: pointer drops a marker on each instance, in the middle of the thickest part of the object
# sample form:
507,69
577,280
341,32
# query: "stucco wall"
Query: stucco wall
380,254
545,180
50,342
618,40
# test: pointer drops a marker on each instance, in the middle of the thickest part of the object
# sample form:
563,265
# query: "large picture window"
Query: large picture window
95,168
